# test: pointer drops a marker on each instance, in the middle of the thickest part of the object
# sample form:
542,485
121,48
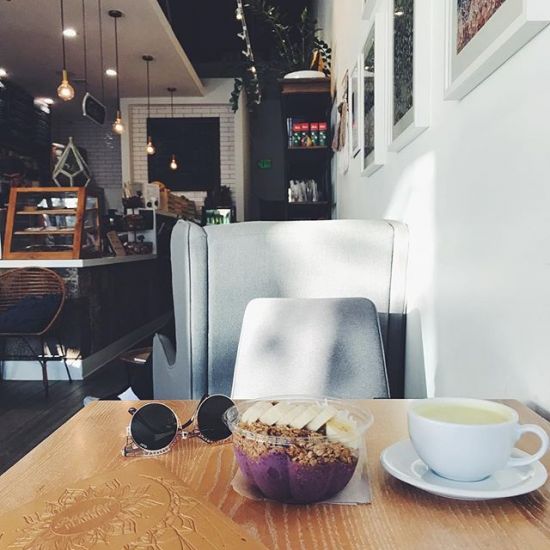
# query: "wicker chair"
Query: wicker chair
18,285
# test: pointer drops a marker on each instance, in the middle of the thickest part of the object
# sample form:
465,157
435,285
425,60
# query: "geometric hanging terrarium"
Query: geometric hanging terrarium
71,169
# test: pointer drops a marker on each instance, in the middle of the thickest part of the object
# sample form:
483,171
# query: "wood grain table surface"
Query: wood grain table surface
399,516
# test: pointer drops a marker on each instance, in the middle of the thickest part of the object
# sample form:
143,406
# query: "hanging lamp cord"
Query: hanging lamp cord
85,46
116,62
148,93
62,35
101,69
171,103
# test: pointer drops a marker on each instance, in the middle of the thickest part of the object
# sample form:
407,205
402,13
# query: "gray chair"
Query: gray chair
310,346
218,270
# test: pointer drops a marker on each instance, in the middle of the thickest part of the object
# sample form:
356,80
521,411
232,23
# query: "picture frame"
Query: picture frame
475,49
343,154
368,9
353,102
410,30
374,105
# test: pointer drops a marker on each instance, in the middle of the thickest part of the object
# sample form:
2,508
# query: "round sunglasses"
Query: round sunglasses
155,428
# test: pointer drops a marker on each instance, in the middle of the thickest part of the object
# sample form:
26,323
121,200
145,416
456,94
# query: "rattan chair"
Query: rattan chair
20,284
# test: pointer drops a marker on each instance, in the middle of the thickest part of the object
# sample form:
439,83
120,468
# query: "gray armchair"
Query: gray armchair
218,270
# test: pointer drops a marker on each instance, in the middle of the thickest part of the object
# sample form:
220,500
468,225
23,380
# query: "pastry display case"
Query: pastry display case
52,223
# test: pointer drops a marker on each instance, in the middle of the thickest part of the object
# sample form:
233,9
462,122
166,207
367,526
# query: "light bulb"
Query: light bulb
150,147
118,126
65,91
173,163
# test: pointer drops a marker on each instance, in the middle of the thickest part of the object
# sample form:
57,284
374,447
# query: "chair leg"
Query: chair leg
63,351
44,364
42,360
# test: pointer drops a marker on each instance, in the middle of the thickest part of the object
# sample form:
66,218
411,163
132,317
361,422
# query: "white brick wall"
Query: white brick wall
103,149
138,138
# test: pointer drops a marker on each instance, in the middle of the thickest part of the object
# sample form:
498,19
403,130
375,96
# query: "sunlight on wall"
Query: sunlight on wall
413,201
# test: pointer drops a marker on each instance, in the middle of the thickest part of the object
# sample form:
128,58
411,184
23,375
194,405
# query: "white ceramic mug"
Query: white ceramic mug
465,451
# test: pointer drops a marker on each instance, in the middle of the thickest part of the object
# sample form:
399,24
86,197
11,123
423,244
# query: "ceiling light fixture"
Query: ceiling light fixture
118,125
65,91
150,148
69,32
3,72
110,72
173,162
44,100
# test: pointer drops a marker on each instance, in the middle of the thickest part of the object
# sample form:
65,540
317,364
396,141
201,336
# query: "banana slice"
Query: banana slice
292,413
307,415
275,413
253,413
342,429
327,412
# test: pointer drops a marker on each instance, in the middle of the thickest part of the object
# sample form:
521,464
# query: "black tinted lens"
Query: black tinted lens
153,427
210,417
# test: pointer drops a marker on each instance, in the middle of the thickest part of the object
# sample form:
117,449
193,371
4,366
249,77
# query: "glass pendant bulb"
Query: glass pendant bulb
150,147
65,91
173,163
118,126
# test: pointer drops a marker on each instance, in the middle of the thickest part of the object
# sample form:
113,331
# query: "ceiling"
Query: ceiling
30,50
207,30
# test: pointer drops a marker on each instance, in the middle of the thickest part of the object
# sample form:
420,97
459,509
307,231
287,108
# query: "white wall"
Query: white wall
475,192
214,103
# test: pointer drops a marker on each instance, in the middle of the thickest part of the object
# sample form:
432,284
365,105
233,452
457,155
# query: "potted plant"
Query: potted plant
296,52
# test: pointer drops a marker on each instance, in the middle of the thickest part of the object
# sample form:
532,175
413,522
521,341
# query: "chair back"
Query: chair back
316,346
24,283
218,270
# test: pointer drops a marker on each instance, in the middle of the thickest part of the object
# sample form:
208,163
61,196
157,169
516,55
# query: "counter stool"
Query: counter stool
31,300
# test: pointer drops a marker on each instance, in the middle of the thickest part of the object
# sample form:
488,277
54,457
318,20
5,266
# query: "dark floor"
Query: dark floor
27,416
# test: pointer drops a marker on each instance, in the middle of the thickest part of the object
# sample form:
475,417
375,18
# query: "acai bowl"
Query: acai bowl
298,449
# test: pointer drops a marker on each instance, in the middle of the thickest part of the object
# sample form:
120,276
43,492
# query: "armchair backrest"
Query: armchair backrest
218,270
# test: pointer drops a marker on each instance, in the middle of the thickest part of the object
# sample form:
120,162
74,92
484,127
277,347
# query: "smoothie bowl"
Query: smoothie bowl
298,449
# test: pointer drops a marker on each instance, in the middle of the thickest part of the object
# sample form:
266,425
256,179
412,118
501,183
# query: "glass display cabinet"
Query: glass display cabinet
52,223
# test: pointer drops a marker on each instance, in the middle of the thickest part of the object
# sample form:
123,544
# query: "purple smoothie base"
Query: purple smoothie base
278,477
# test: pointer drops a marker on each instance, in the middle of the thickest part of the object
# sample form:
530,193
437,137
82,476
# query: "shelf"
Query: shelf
313,147
52,212
299,203
46,232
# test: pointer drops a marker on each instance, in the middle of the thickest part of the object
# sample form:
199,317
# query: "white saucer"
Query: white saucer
402,462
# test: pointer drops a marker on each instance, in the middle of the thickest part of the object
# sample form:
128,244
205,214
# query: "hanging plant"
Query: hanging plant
295,46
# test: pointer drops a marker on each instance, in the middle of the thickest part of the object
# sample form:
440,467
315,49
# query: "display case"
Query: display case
52,223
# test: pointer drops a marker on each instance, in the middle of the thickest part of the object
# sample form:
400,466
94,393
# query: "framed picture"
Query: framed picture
368,8
373,105
483,34
410,61
353,92
343,128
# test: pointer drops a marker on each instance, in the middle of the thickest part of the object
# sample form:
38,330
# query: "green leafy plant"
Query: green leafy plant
294,45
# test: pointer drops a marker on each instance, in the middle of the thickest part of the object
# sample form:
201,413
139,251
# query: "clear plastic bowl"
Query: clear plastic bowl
297,469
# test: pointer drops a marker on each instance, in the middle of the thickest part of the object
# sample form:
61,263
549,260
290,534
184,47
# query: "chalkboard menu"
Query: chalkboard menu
24,127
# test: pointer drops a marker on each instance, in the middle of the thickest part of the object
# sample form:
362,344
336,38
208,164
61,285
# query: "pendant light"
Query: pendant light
150,148
101,67
65,91
118,126
173,162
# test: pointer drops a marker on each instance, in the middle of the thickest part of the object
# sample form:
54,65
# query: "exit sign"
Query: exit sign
264,164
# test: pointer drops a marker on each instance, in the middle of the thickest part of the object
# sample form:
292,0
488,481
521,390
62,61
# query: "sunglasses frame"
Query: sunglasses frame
132,448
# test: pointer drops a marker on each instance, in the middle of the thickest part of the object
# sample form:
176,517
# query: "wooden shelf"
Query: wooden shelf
46,232
305,85
299,203
52,212
313,147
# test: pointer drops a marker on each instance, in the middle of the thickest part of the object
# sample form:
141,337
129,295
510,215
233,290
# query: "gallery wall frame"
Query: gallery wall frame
374,126
368,8
476,46
343,153
354,99
410,34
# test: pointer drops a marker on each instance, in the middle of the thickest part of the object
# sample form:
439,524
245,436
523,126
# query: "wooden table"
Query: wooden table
399,516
